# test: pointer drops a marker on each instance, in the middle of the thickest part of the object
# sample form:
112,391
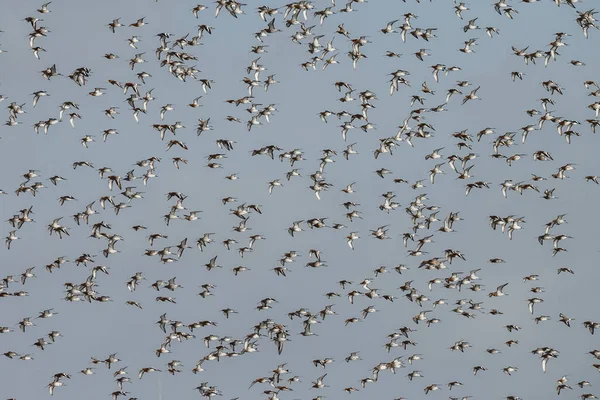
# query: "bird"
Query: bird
273,184
44,8
351,238
499,291
37,95
146,370
471,96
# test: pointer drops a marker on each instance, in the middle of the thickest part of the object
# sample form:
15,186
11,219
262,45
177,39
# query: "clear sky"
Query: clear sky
79,37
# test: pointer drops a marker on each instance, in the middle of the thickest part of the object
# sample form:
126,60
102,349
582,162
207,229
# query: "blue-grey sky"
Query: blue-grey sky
79,37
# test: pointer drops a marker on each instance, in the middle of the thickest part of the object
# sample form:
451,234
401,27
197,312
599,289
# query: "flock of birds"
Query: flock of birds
431,278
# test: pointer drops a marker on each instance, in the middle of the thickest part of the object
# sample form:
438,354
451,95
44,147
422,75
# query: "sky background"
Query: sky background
79,37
